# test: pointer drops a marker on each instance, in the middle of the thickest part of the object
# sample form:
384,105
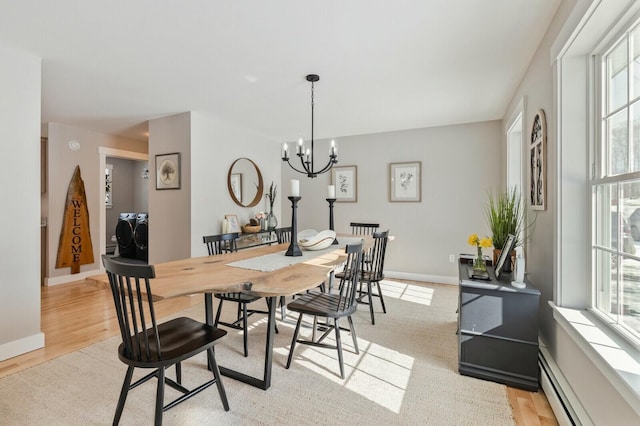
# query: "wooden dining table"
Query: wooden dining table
213,274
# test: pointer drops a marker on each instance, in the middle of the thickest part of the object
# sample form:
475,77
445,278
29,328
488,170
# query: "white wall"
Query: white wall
215,145
460,165
20,77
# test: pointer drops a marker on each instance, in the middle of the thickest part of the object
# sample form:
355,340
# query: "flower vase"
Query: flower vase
272,221
478,262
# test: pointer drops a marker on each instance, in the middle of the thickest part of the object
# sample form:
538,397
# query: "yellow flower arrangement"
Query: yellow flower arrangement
480,243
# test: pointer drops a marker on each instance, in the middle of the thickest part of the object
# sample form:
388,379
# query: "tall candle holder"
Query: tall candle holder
293,249
331,201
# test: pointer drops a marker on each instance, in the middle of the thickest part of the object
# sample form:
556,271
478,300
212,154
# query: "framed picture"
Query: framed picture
537,163
168,171
405,182
345,179
233,225
236,185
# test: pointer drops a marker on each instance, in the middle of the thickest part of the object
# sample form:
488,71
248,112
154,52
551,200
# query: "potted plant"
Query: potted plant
505,214
272,221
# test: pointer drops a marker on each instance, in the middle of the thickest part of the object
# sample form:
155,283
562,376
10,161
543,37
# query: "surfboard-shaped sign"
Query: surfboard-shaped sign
75,248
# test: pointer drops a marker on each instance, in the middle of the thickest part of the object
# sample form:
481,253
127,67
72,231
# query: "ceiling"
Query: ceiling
110,66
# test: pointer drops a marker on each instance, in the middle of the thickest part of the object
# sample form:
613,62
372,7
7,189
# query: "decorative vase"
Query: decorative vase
510,260
272,221
478,262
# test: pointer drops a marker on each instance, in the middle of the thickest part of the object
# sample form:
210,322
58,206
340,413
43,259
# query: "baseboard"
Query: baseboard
564,403
63,279
21,346
438,279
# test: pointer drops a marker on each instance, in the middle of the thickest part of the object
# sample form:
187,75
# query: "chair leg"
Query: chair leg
353,334
293,341
373,321
244,328
216,374
123,395
159,397
339,347
384,309
179,373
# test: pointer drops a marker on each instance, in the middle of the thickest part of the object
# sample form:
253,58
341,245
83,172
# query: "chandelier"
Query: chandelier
306,154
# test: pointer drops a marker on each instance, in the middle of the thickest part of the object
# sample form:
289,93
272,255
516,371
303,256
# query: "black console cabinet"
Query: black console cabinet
498,330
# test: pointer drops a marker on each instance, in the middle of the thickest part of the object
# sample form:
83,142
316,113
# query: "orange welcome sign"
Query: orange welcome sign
75,247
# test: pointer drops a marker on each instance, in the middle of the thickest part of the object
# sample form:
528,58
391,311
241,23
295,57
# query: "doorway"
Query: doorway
133,165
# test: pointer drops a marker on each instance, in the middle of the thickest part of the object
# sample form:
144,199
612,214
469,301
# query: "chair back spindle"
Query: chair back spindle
283,235
376,266
128,282
360,228
349,282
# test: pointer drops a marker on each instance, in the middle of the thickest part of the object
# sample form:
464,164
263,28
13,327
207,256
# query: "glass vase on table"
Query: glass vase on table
478,262
272,220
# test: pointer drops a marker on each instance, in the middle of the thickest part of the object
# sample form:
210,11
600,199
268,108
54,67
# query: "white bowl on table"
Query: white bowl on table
318,241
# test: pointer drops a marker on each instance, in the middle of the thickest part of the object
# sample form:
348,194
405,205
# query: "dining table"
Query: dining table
263,271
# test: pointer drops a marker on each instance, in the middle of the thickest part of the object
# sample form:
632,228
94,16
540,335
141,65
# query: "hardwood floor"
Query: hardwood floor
79,314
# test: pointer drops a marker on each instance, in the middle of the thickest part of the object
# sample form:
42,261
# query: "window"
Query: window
616,186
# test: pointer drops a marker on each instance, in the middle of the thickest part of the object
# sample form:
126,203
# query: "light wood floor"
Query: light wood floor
79,314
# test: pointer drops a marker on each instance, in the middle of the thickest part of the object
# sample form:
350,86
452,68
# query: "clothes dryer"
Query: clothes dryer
141,236
124,235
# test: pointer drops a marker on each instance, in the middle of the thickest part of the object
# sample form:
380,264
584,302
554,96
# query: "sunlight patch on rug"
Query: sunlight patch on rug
407,292
377,373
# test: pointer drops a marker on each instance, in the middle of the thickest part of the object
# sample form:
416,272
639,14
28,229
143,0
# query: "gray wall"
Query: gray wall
170,209
460,165
20,76
62,162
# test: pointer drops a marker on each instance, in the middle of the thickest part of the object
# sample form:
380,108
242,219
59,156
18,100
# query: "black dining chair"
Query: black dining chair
283,235
227,243
147,344
361,228
331,306
373,272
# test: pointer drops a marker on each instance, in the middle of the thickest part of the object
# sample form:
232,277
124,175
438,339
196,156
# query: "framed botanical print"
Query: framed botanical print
537,163
168,171
405,182
345,179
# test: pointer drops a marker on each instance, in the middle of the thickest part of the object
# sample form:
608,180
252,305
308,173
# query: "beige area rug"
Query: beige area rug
405,374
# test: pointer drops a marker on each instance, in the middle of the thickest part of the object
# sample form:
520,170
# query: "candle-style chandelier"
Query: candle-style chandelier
306,154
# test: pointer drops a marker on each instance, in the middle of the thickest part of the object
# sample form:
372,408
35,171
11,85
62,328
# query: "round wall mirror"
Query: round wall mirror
244,182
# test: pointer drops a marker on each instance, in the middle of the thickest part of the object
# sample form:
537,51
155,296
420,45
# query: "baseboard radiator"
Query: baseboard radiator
564,403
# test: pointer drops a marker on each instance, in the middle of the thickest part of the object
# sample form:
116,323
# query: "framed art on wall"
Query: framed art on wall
168,171
537,163
345,179
405,182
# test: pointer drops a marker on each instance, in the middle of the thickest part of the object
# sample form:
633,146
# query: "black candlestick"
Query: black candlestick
331,201
293,249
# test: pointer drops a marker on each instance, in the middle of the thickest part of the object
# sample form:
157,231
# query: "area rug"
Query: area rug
406,374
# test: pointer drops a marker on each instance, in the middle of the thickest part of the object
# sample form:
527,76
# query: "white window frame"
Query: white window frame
587,30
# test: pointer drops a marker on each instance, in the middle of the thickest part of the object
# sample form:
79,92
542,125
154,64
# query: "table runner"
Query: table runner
275,261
